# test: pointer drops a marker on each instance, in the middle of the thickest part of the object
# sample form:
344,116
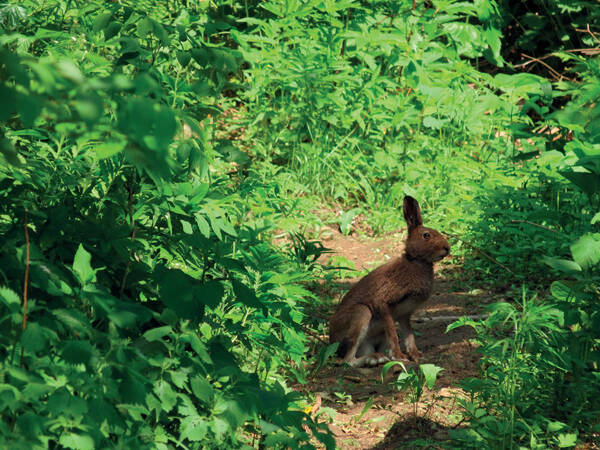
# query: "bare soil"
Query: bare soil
392,420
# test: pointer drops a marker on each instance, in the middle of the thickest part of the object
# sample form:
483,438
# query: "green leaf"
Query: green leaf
346,220
166,394
112,30
203,225
179,378
244,294
108,149
101,21
367,406
82,267
202,389
387,366
9,296
561,291
187,227
144,27
183,57
162,34
181,293
430,371
586,251
193,428
77,352
33,338
562,265
157,333
210,293
567,440
77,441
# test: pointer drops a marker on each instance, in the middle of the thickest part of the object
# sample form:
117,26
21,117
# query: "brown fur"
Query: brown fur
363,324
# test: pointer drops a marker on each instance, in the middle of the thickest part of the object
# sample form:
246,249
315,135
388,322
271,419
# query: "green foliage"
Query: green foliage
150,151
535,357
412,380
158,314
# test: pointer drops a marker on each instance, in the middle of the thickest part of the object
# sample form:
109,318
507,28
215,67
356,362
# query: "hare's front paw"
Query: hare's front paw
399,356
374,359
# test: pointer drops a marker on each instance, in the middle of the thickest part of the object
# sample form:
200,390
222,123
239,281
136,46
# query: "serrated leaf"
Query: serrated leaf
202,389
9,296
33,338
234,413
33,391
179,378
567,440
166,394
193,428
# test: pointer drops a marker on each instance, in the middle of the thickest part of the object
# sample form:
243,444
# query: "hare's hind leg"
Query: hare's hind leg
360,343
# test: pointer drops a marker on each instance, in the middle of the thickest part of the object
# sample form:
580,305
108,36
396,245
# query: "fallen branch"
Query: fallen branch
449,318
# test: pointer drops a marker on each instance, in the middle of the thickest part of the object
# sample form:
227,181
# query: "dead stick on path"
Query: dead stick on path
449,318
26,281
477,249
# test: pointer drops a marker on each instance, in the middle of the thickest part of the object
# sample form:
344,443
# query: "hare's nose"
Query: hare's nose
447,250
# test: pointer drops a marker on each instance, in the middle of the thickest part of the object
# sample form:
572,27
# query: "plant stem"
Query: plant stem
26,281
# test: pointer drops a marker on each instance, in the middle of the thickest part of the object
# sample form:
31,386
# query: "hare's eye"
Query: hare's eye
426,236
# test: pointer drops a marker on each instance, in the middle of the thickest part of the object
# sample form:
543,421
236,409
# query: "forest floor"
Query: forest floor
390,422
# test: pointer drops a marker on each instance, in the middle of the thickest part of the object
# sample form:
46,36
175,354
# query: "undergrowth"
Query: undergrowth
156,154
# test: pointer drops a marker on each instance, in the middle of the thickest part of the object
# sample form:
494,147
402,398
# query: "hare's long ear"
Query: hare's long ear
412,213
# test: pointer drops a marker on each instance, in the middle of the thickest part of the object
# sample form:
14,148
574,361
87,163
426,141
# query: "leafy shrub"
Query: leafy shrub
157,313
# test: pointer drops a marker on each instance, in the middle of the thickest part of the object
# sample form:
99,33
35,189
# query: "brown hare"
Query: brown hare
364,322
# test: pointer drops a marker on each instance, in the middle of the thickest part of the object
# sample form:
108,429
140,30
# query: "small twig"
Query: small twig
585,51
484,254
132,223
307,330
535,225
590,32
550,68
343,50
26,281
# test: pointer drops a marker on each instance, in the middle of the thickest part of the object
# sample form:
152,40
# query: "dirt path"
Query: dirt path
389,422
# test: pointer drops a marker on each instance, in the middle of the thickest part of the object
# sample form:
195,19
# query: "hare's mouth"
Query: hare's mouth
443,253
